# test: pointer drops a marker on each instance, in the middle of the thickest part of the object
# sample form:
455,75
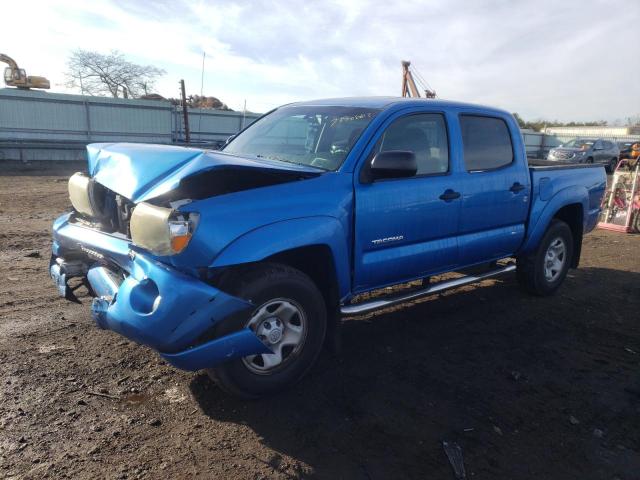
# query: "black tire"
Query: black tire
612,165
262,284
531,269
589,160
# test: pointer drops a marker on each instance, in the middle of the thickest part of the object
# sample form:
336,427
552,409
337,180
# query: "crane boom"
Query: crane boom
409,88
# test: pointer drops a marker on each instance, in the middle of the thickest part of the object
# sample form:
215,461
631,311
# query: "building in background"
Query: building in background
595,132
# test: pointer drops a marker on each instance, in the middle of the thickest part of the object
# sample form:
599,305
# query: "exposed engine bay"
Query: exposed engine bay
103,208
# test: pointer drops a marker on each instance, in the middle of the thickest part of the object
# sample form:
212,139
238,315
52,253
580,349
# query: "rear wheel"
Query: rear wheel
612,165
543,271
290,318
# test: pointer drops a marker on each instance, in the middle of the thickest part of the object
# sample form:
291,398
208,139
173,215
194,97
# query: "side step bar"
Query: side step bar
376,304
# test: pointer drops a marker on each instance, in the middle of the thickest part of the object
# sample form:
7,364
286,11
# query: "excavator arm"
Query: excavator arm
15,76
9,61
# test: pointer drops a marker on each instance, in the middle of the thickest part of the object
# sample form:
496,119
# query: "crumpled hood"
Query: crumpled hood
141,172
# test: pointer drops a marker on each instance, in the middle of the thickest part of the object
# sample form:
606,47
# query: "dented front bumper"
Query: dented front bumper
148,301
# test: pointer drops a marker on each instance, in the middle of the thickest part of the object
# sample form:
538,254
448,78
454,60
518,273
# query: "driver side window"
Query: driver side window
425,135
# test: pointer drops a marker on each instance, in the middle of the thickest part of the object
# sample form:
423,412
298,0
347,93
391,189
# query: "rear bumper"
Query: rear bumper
149,302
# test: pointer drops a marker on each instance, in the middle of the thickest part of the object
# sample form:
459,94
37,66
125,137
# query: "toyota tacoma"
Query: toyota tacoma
243,261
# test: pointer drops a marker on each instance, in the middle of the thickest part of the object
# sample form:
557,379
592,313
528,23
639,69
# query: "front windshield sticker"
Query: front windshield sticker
313,136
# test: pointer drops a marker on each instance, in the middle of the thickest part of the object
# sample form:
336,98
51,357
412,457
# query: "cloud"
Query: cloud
571,60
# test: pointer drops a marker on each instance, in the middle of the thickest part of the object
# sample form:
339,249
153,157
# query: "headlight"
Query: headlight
79,193
162,231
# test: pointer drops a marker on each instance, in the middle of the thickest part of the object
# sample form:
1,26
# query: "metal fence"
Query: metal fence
538,144
37,125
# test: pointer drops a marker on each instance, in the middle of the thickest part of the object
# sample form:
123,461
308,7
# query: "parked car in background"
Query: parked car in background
587,150
629,149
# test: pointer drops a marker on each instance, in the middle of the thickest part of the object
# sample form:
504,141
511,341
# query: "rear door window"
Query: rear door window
486,142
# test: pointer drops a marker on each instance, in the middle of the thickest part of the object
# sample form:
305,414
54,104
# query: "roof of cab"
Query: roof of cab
386,102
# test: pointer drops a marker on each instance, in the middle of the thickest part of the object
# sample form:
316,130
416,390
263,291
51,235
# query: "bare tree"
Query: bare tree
633,121
112,74
204,103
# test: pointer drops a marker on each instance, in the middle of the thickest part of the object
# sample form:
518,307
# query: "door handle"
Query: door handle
517,187
449,195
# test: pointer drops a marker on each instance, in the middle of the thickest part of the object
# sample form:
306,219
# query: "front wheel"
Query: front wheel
543,271
290,318
612,165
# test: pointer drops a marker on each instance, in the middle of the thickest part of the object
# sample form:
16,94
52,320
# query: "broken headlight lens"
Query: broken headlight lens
162,231
79,194
180,233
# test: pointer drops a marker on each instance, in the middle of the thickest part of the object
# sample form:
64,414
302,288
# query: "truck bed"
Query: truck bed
555,185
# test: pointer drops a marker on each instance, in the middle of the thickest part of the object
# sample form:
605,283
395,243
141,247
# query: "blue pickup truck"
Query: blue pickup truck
243,261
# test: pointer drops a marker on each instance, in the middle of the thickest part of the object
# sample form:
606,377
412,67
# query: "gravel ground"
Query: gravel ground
529,388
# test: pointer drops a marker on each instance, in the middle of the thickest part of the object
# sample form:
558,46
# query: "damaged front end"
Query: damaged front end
148,301
129,219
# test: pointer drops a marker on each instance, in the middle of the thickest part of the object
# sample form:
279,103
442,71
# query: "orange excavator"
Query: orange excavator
17,77
409,87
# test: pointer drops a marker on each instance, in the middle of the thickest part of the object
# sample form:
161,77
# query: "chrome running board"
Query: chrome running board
376,304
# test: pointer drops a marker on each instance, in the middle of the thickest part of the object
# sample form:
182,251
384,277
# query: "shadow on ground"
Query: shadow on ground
521,383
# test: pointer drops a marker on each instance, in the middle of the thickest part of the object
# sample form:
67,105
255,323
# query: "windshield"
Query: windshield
579,143
315,136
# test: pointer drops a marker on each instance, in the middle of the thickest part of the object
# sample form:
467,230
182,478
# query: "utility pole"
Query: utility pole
187,135
202,75
201,98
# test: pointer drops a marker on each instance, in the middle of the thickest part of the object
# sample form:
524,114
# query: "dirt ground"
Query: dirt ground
530,388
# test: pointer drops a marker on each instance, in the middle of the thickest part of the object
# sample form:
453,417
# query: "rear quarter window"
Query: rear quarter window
486,143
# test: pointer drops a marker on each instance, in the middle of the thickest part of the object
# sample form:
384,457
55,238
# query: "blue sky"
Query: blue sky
566,60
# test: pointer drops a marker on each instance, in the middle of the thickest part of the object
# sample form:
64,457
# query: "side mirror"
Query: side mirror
394,164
